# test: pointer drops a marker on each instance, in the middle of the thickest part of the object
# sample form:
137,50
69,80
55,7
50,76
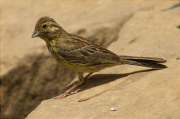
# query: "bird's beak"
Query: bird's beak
35,34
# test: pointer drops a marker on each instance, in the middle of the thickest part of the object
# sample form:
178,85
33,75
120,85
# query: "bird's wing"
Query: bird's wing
80,50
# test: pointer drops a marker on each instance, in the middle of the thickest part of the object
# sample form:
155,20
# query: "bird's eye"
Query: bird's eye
44,26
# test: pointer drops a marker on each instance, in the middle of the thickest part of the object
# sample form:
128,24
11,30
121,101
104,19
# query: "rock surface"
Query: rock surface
29,72
138,29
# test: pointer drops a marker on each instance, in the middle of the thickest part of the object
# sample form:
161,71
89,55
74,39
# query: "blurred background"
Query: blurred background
29,74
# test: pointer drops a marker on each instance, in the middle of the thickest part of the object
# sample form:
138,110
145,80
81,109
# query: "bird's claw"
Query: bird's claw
74,92
66,94
60,96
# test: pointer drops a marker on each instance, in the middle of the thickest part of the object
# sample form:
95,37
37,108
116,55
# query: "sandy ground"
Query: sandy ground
30,74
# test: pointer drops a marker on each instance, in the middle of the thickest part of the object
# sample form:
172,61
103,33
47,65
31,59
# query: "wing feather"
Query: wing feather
86,52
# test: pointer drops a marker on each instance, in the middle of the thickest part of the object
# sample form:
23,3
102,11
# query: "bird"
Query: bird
81,55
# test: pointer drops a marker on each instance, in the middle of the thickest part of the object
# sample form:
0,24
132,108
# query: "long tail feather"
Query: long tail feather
144,61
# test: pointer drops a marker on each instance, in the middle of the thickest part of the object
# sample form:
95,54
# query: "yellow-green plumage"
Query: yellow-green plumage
82,55
72,51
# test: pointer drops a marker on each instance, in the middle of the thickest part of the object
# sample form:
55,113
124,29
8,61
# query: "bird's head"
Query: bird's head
47,29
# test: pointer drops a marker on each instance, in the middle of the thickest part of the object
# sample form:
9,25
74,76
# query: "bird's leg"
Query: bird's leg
86,77
68,92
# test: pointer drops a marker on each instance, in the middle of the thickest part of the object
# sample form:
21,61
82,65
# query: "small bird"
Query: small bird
81,55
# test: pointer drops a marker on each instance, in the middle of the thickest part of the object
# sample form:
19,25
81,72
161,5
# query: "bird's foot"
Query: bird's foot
66,94
74,92
60,96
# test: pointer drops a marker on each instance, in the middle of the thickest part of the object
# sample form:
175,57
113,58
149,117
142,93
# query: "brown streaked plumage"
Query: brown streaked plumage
82,55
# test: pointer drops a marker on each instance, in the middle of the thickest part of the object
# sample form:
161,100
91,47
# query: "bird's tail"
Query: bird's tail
144,61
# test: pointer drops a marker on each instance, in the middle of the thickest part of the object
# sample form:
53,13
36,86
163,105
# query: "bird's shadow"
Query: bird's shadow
100,79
